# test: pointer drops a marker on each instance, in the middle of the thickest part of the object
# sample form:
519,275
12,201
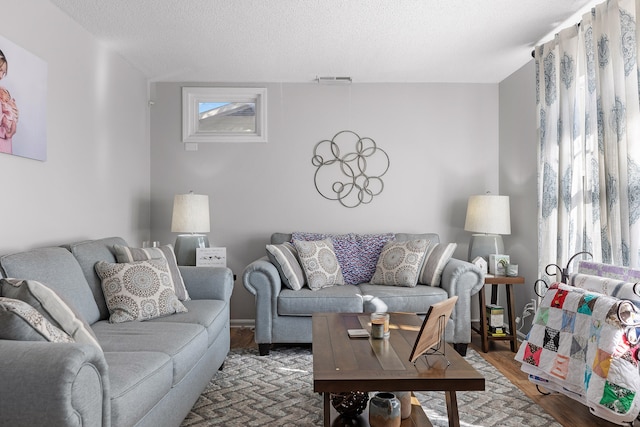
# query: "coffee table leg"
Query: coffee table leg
452,409
326,409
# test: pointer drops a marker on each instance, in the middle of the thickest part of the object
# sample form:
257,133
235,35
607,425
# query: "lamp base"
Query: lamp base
484,245
186,245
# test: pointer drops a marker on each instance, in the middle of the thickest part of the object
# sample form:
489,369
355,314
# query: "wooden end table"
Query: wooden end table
511,336
343,364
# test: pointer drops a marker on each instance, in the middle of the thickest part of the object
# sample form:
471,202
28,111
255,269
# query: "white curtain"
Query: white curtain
588,107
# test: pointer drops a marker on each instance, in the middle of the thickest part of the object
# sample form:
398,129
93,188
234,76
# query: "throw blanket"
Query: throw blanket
577,346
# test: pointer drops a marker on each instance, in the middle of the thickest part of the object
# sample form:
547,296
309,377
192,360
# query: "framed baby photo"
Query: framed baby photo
23,102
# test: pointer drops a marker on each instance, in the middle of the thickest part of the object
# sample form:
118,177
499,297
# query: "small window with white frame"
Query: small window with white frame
224,114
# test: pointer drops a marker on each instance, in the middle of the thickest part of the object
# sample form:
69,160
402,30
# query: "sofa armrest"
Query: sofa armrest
47,383
463,279
261,278
208,282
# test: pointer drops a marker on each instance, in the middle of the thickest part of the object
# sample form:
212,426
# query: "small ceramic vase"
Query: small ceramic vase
405,403
384,410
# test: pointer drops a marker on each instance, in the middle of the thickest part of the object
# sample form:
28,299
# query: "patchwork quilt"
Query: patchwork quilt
578,346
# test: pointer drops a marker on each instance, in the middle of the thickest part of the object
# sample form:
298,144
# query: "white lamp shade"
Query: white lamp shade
488,214
190,213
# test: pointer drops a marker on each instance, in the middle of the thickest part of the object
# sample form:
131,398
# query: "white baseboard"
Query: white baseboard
243,323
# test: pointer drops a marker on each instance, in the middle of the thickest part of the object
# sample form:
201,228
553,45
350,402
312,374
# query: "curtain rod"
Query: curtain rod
533,52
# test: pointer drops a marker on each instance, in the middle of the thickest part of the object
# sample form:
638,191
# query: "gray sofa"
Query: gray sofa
149,373
284,315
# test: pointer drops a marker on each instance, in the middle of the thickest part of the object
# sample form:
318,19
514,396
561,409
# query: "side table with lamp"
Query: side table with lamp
489,217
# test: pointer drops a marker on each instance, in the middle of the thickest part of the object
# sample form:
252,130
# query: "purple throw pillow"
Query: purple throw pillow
357,254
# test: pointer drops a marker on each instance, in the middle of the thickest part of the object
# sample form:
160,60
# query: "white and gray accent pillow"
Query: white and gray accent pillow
21,322
285,258
399,263
139,290
129,254
319,263
434,263
49,304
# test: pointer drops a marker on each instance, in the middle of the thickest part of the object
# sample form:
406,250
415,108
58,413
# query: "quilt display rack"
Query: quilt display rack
584,341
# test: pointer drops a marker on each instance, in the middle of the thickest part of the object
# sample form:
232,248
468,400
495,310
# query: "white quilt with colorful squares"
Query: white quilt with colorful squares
577,346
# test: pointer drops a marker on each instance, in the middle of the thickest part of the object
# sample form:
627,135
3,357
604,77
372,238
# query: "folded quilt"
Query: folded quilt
577,345
606,285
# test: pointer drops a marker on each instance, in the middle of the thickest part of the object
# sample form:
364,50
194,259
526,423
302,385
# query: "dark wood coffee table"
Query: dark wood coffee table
343,364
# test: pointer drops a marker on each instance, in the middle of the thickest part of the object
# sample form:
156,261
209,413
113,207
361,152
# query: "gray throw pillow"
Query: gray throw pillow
128,254
319,263
435,261
21,322
54,309
285,258
139,290
399,263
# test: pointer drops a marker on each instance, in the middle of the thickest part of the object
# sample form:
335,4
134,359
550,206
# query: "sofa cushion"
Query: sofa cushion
128,254
400,263
138,290
357,254
437,257
51,306
138,380
87,253
184,343
213,315
319,263
285,258
21,322
305,302
61,272
392,298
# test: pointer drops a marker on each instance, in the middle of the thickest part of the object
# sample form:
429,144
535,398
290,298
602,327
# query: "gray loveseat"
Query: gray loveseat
148,373
284,315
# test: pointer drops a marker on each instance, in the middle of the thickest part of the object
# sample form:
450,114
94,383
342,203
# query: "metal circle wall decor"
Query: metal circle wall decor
352,178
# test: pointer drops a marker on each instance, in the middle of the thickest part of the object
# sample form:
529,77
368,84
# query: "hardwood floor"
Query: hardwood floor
566,411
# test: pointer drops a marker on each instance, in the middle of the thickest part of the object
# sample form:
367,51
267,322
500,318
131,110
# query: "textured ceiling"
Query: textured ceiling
478,41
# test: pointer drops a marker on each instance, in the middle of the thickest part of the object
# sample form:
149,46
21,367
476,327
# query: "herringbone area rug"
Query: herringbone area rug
277,390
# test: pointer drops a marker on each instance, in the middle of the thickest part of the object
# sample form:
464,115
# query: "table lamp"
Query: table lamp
190,215
488,216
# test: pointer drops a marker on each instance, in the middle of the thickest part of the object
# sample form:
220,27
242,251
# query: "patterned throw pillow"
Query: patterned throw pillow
319,263
357,253
139,290
438,256
285,258
400,262
21,322
128,254
51,306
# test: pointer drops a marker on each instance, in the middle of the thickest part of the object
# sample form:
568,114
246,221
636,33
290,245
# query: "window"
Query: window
224,114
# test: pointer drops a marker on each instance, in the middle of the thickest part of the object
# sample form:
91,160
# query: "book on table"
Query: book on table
358,333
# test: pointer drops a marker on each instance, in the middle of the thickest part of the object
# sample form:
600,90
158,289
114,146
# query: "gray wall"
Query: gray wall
518,175
95,181
442,140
